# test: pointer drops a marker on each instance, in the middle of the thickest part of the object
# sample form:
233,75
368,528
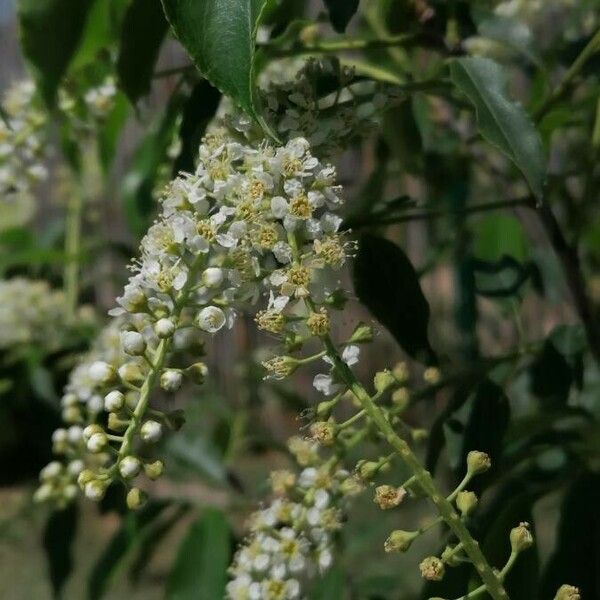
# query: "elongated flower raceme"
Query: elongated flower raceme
222,231
32,313
291,539
23,151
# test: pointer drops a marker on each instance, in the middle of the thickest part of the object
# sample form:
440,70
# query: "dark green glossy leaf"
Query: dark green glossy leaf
59,535
501,121
387,284
50,31
197,112
200,569
551,376
219,35
576,560
340,12
144,29
112,561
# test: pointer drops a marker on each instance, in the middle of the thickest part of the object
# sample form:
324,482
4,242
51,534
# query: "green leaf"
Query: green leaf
59,535
200,569
387,284
144,29
331,586
128,536
50,32
220,35
197,113
499,235
108,135
576,560
340,12
502,122
139,183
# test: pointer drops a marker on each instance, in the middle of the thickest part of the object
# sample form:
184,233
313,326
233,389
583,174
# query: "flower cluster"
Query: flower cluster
31,312
292,538
22,153
222,238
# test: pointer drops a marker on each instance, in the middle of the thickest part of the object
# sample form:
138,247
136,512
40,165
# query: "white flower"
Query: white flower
324,383
211,319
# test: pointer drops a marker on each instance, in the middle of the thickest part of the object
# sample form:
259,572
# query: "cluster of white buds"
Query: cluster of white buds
100,99
291,539
31,312
23,150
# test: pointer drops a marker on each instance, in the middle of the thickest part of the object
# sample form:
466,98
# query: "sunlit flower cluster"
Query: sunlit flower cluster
32,313
23,148
291,539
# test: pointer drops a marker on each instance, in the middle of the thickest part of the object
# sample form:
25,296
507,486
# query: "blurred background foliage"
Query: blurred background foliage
490,254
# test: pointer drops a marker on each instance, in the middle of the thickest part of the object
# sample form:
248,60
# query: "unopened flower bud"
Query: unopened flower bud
367,469
419,435
43,493
136,498
383,380
521,538
567,592
164,328
97,442
94,490
401,399
51,471
170,380
151,431
72,414
465,502
351,486
400,371
478,462
399,540
85,477
196,373
432,569
432,375
133,343
116,424
213,277
101,372
114,401
154,469
387,496
131,373
449,556
362,333
210,319
323,432
129,467
90,430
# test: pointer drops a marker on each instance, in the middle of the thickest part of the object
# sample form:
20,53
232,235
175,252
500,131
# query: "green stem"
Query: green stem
375,220
590,49
349,44
445,509
157,363
72,251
